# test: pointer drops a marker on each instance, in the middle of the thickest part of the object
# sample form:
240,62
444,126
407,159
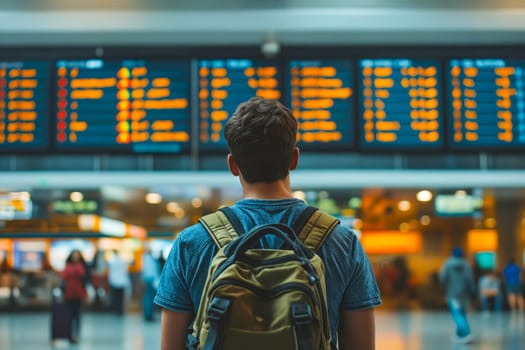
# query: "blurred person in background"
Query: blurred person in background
118,280
512,277
400,284
98,268
74,277
150,277
523,283
8,280
458,278
489,289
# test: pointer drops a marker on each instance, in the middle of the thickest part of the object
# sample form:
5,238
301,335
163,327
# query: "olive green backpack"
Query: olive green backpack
264,299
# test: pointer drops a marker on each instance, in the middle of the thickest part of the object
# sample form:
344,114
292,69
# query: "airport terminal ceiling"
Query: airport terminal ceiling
37,5
250,22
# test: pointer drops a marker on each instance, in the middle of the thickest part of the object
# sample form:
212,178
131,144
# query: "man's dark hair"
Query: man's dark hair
261,136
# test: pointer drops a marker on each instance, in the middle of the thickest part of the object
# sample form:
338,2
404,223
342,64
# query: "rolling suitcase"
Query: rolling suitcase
60,324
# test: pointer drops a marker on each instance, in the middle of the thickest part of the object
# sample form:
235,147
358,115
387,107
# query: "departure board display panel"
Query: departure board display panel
223,85
487,103
129,105
23,106
400,104
320,94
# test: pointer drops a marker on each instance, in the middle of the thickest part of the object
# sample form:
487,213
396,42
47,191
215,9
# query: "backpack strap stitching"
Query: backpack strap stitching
317,229
219,228
233,219
303,219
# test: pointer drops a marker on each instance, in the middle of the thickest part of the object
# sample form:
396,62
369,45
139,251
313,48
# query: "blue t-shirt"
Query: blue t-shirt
512,274
350,280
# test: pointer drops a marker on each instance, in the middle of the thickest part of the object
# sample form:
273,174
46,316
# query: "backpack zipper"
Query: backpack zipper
254,262
267,293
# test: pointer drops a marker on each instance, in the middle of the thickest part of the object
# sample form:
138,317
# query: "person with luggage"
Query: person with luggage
261,137
74,275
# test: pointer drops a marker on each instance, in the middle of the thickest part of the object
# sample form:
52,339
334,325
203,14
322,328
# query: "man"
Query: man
261,137
458,278
118,280
489,288
150,276
511,274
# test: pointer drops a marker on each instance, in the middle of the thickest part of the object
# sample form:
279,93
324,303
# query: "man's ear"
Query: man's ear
234,169
295,159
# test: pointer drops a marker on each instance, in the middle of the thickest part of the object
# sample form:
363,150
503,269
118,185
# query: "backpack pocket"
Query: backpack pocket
241,339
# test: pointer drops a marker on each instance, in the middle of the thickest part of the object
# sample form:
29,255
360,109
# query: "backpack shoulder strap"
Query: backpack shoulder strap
220,226
314,227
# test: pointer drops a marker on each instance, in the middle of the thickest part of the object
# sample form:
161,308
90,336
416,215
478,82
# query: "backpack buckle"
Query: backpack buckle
192,343
302,313
218,308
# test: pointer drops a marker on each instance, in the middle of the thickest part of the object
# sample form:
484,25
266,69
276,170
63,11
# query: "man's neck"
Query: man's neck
279,189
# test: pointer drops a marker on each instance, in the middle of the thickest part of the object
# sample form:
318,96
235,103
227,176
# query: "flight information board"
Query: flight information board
129,105
400,104
23,105
223,84
487,103
320,94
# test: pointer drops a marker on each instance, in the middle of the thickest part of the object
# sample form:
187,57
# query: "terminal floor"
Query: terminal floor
403,331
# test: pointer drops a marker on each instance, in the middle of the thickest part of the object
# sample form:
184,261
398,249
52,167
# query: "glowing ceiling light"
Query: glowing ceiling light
76,196
424,196
404,205
461,193
425,220
196,202
153,198
179,213
404,227
172,206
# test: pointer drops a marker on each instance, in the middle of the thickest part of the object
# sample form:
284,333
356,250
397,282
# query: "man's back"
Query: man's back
262,142
350,282
512,274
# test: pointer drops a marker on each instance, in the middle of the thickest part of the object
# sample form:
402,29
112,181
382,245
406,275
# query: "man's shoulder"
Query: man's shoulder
343,233
193,235
342,245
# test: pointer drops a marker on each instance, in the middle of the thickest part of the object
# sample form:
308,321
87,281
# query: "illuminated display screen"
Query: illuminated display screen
134,105
487,103
400,104
321,96
23,105
223,84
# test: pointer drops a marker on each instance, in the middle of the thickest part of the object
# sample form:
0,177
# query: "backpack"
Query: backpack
256,298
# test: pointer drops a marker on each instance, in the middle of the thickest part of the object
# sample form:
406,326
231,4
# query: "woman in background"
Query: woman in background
74,276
